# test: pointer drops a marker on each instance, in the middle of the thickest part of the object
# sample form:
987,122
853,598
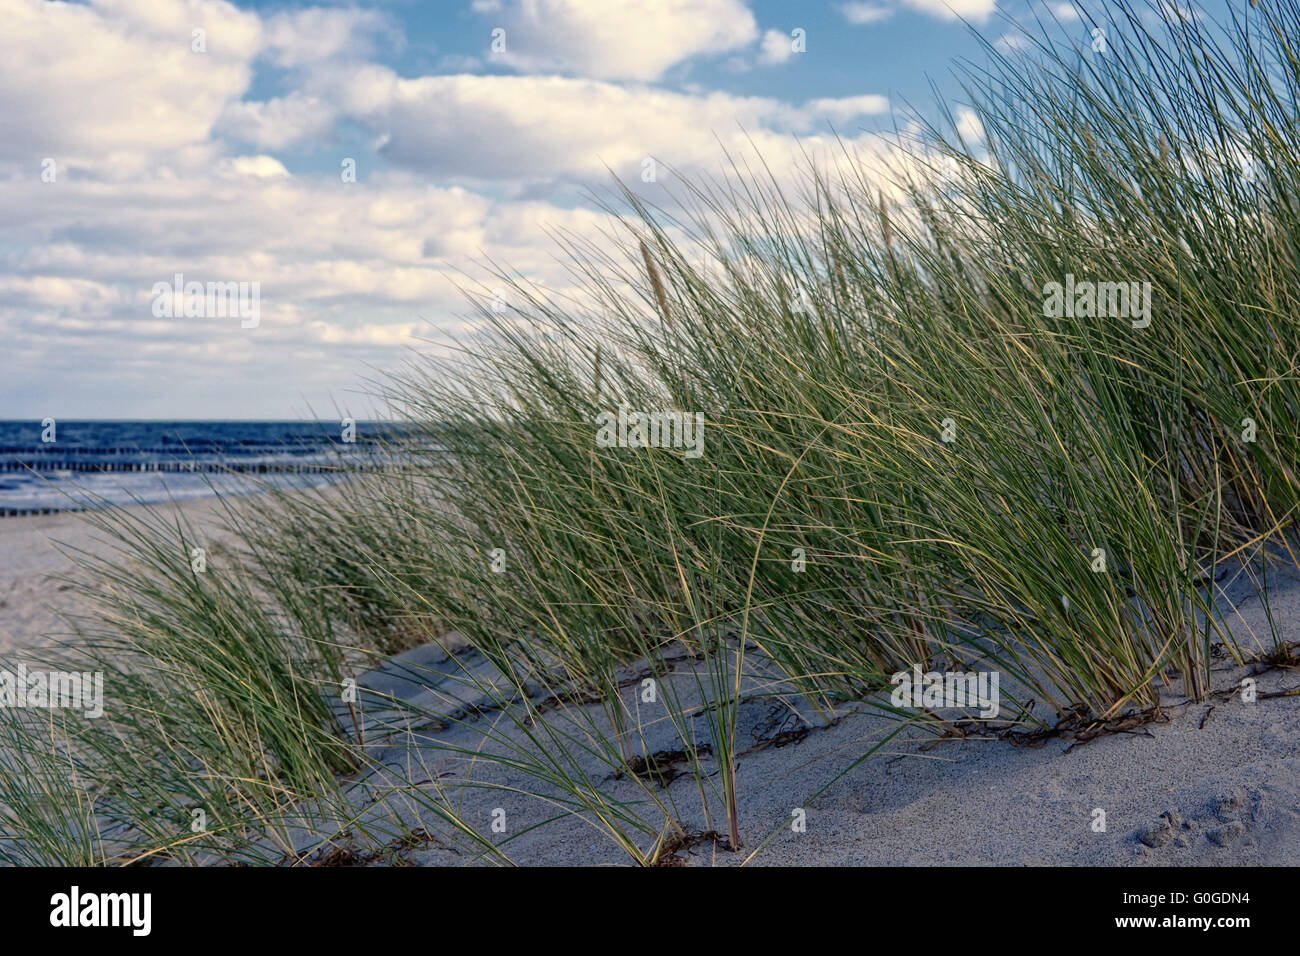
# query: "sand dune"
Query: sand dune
1212,783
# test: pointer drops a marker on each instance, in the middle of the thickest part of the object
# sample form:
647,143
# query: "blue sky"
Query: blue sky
140,139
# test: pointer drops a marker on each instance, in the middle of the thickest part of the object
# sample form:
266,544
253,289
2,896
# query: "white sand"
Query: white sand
1217,784
1225,774
31,597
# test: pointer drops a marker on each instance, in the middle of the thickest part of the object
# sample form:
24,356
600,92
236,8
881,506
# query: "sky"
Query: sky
360,163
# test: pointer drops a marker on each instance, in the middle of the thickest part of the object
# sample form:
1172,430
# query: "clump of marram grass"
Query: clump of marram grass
907,460
218,738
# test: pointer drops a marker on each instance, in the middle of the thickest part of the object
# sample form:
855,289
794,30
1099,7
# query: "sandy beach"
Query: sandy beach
1214,783
31,561
1206,783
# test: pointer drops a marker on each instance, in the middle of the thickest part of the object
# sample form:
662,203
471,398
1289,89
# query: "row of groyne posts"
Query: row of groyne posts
348,460
259,468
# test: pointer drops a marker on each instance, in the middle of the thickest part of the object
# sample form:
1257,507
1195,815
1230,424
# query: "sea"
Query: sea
47,467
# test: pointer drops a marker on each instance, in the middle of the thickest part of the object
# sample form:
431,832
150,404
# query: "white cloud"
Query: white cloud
777,47
860,12
113,85
57,292
848,107
165,167
864,13
315,34
278,123
503,127
346,274
977,10
1065,12
82,82
617,39
259,167
969,126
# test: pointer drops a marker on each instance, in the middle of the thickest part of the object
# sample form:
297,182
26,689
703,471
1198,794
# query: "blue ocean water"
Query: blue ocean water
95,463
